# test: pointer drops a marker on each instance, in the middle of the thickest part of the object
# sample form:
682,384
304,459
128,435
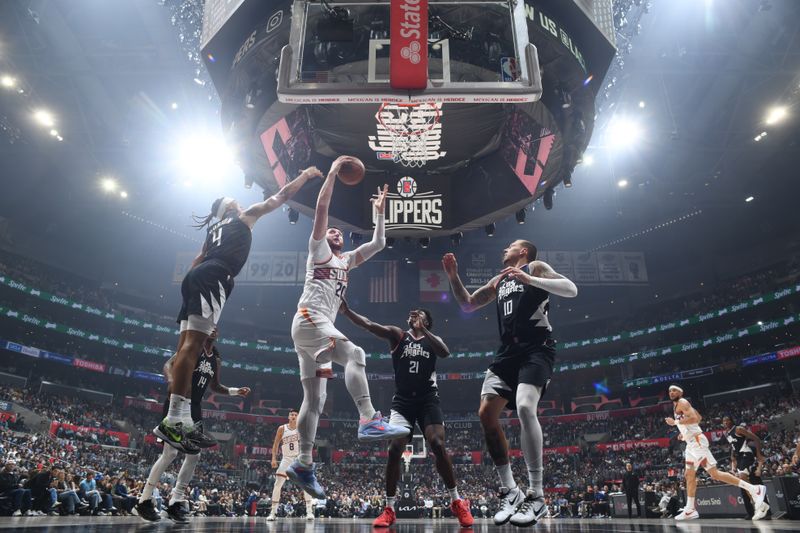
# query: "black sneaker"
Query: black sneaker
178,512
197,437
176,437
147,510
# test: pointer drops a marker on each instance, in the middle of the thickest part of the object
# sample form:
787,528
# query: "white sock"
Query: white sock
747,486
689,502
309,503
179,409
276,491
184,477
506,477
390,501
454,494
314,393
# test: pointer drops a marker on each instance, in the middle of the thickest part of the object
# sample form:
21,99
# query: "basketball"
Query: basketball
352,171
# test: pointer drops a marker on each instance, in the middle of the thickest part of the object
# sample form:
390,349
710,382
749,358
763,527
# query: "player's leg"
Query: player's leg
435,437
533,508
758,492
309,505
689,512
280,479
302,471
145,506
178,508
396,448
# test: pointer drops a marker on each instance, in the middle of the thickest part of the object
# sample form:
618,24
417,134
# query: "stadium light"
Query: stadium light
204,158
123,194
588,160
9,82
109,184
776,114
44,117
622,183
749,199
623,133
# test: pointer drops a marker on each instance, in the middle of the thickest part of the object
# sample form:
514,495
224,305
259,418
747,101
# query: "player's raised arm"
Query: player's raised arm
324,201
440,349
468,302
378,242
258,210
222,389
392,334
543,277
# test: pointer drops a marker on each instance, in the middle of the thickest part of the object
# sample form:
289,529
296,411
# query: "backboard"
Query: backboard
364,51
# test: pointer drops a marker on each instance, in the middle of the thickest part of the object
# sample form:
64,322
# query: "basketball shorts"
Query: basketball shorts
698,454
315,339
519,363
204,289
422,411
284,464
746,463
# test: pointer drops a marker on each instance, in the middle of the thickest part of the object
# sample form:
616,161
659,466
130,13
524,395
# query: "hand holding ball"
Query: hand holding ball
351,170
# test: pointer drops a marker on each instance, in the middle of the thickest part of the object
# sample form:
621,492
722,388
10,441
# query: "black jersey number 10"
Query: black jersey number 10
508,307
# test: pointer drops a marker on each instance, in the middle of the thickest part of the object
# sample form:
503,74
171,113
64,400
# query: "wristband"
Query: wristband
233,391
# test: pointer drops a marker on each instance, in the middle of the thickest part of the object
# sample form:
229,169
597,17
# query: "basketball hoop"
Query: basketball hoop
408,126
407,456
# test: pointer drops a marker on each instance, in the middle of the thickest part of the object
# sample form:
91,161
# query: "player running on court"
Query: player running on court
205,289
318,342
415,402
698,455
206,373
519,375
288,441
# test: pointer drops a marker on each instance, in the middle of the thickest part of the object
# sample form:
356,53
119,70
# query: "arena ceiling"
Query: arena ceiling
707,72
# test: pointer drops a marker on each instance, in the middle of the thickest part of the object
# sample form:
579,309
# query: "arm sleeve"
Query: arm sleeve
367,250
559,287
319,251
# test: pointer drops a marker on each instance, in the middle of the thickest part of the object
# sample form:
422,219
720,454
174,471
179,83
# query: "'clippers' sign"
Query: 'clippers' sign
408,59
408,209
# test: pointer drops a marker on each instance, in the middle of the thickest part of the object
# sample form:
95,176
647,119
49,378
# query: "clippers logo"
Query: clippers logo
411,52
274,21
408,210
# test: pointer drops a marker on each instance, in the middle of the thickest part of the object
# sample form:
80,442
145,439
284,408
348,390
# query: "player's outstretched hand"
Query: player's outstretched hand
379,203
669,420
311,173
243,391
449,264
336,165
274,463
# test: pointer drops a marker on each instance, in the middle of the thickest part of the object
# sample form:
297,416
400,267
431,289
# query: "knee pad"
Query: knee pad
359,356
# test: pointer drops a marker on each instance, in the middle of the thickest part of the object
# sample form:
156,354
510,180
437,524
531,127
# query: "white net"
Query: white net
413,132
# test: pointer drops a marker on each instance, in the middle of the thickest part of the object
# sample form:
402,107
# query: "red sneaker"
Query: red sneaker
387,518
460,509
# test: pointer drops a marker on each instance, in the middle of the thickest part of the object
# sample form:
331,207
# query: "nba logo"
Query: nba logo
407,187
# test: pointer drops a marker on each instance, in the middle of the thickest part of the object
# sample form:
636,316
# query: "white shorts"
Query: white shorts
315,338
492,383
285,462
698,454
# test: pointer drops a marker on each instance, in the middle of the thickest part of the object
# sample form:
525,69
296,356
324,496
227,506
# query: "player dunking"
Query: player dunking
745,461
318,342
206,373
205,289
415,402
288,441
698,455
521,370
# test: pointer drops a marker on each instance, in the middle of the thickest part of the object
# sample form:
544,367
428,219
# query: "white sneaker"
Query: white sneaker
17,513
509,500
688,514
271,518
529,511
761,512
310,516
758,496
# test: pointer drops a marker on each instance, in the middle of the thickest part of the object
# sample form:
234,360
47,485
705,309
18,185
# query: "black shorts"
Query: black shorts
746,462
422,411
196,409
519,363
205,289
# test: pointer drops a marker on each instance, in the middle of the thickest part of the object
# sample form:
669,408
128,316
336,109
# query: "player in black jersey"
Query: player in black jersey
745,461
521,370
205,289
206,374
415,402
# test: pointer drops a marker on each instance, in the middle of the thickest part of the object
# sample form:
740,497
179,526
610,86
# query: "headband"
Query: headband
223,206
676,388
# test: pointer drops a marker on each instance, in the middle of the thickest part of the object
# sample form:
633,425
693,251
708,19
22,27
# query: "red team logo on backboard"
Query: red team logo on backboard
407,187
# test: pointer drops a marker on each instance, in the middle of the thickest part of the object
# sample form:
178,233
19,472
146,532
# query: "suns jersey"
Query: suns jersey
687,430
290,442
326,279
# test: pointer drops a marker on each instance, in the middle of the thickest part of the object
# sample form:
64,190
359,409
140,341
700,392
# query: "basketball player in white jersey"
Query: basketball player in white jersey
318,342
698,455
288,440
